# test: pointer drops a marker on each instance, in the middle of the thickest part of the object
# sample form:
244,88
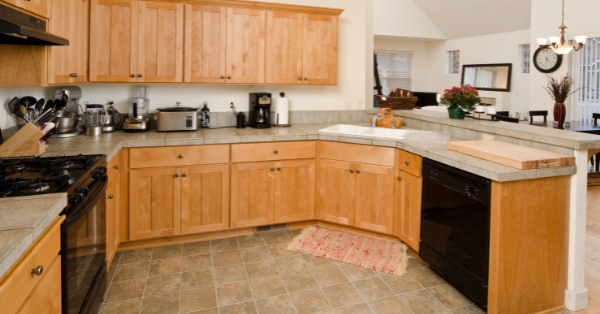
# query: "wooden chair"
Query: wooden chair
534,113
506,118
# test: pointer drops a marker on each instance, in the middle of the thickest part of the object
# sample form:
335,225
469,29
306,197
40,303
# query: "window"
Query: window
525,59
453,62
589,79
395,70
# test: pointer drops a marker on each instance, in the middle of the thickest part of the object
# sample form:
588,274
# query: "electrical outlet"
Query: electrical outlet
360,104
348,105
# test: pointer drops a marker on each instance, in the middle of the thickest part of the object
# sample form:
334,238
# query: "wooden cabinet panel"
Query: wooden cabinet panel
178,156
252,194
273,151
375,198
46,296
320,49
245,46
409,162
284,47
408,208
38,7
336,192
113,40
154,198
294,191
114,166
204,198
205,43
365,154
68,64
160,42
112,218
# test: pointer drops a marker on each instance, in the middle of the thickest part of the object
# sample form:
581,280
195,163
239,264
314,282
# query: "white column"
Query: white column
576,295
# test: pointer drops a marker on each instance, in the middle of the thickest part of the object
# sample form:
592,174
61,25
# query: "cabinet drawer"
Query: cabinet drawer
18,282
365,154
113,167
273,151
45,298
409,162
178,156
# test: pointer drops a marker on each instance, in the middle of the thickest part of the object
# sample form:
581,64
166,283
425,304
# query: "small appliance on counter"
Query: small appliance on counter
113,119
95,117
281,116
138,107
70,123
205,116
177,118
260,111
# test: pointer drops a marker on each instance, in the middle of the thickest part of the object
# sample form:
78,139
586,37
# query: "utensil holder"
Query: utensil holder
26,142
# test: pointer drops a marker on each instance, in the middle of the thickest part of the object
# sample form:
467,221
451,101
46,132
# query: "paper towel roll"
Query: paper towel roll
282,111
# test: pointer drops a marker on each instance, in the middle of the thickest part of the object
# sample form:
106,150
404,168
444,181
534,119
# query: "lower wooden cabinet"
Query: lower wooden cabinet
294,191
336,190
46,296
112,218
408,208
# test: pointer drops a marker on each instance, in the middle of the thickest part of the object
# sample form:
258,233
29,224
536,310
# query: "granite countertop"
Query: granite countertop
23,220
110,144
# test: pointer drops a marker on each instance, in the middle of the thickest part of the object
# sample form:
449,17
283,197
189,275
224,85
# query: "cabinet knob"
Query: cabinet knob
306,79
185,174
278,168
399,178
228,77
37,271
73,75
300,79
222,76
357,171
177,175
272,169
275,152
132,75
181,156
117,167
111,196
140,75
407,163
351,170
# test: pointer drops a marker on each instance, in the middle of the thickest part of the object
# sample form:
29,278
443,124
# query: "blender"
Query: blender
138,106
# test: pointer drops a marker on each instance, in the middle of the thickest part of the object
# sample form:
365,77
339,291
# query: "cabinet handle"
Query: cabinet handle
278,168
177,175
181,156
407,163
300,79
117,167
132,75
222,76
275,152
185,174
111,196
272,169
229,77
399,178
37,271
140,75
306,79
351,170
357,171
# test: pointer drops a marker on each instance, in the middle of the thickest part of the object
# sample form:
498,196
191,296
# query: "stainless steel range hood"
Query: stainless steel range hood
18,28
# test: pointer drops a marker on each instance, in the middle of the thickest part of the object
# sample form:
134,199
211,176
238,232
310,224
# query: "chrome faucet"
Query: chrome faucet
393,123
374,120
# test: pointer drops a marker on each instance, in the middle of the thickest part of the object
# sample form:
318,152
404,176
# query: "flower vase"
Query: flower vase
560,112
455,112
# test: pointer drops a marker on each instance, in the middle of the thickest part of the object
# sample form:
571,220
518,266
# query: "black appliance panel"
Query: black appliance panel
259,116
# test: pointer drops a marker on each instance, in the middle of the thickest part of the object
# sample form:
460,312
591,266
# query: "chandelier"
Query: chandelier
558,43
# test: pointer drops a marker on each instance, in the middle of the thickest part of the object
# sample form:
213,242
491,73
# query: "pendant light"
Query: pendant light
557,43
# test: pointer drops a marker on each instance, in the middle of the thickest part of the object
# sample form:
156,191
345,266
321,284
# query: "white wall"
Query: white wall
420,66
403,18
354,89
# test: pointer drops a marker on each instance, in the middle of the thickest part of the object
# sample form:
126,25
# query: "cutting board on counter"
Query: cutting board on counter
512,155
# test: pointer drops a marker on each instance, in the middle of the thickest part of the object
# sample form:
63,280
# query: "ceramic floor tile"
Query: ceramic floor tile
299,281
427,277
421,302
401,284
449,296
161,304
267,287
469,309
342,295
354,272
294,233
311,301
290,264
197,299
261,269
328,276
209,311
122,307
196,248
167,251
242,308
280,250
372,289
227,258
255,254
413,263
234,293
165,266
195,262
125,290
391,305
229,274
276,237
362,308
135,256
162,284
251,241
314,262
197,279
111,271
131,271
276,305
223,245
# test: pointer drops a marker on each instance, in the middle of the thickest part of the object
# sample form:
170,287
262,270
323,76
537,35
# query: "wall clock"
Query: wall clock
546,60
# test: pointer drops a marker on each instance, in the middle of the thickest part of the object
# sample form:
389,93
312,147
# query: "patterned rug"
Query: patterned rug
381,255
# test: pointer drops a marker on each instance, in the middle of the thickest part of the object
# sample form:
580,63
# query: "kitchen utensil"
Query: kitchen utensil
49,105
39,105
48,127
260,111
15,108
39,121
27,101
48,134
67,123
93,130
177,118
113,119
31,114
23,143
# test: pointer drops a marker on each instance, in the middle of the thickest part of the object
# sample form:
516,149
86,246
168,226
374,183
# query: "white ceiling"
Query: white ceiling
468,18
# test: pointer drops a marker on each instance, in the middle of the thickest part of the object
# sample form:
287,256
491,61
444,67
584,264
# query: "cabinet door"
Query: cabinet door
160,42
204,198
245,46
112,218
113,40
205,43
39,7
336,192
252,194
320,49
284,47
68,64
408,208
45,297
294,191
154,203
375,198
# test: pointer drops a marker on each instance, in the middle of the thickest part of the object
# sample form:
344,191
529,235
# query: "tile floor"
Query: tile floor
257,274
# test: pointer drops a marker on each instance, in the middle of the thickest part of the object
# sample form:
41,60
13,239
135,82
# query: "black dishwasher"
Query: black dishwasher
455,228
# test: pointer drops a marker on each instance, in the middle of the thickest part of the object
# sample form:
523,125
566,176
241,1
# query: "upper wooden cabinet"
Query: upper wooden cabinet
68,64
320,49
38,7
245,46
136,41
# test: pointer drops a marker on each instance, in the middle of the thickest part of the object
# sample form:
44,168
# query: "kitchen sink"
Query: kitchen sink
399,134
389,133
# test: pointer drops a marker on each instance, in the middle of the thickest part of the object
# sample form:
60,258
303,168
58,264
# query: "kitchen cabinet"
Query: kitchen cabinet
68,64
320,64
245,62
408,208
46,296
294,191
204,198
37,7
136,41
154,198
112,218
252,194
375,198
284,47
336,189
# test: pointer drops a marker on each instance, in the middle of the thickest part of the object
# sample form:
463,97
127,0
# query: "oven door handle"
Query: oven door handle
77,213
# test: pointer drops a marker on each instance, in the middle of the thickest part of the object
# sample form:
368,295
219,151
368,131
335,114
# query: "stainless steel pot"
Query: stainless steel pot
68,122
93,130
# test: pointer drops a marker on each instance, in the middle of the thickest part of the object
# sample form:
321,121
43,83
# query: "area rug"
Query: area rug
376,254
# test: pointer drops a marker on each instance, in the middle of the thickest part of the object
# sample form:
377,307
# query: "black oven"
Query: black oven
83,244
455,228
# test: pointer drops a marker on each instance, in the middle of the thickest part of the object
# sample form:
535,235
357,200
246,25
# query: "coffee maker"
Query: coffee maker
260,111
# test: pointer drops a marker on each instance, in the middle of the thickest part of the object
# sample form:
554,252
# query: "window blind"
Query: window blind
525,58
453,62
589,79
395,70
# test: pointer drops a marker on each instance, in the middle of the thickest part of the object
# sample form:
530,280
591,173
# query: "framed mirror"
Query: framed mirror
491,77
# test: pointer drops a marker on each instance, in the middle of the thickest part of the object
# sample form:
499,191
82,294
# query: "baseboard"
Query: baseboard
576,300
554,310
188,238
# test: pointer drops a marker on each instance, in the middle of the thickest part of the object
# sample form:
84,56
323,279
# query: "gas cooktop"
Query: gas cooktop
43,175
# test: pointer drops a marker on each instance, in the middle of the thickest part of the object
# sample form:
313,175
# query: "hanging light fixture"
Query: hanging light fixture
558,43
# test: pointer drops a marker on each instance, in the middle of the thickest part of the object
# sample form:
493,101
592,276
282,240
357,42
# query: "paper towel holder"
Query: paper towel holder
278,111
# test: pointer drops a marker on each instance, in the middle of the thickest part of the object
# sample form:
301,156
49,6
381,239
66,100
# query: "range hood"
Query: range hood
18,28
